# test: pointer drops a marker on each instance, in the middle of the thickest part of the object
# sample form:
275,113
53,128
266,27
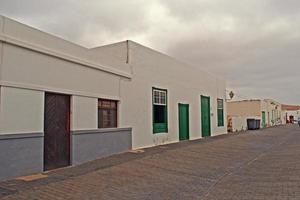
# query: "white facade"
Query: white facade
185,84
273,112
34,63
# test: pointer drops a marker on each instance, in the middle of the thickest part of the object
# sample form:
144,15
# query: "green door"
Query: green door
205,116
183,115
264,119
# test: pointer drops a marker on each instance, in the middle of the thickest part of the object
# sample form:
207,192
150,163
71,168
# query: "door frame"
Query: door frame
209,118
69,150
187,106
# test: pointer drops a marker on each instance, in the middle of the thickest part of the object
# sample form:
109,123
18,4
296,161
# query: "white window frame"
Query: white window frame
161,98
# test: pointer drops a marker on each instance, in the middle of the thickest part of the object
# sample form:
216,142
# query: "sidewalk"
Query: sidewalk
262,164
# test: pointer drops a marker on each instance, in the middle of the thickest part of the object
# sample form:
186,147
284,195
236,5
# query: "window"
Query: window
107,113
160,110
220,112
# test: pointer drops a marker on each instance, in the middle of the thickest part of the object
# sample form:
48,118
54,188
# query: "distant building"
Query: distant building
63,104
267,111
291,113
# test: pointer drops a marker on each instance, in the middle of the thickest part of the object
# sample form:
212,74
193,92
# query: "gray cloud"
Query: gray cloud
254,44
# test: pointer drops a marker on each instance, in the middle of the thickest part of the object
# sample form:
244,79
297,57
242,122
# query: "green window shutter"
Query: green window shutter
220,112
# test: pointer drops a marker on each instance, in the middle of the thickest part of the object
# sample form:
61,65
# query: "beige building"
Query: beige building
267,111
63,104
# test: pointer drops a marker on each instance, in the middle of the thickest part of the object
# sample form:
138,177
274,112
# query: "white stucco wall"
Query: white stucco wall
239,123
84,113
270,106
117,51
185,84
25,68
22,111
35,37
37,71
36,62
265,107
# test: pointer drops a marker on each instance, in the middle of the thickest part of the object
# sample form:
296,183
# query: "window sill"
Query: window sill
163,132
101,130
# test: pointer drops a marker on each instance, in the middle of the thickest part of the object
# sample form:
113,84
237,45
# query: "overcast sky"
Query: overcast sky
253,44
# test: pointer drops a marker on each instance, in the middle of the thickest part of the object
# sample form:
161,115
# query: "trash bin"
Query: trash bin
251,123
257,122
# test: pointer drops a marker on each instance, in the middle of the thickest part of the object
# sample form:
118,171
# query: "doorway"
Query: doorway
183,118
205,116
56,131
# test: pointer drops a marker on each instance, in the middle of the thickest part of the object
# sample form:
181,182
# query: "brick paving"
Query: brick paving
258,165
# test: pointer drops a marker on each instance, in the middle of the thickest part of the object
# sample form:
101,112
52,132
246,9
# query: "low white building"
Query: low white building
62,104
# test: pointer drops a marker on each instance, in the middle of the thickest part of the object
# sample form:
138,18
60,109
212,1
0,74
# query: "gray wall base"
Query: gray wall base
23,154
92,144
20,154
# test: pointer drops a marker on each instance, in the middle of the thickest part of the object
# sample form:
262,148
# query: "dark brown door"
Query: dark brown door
57,131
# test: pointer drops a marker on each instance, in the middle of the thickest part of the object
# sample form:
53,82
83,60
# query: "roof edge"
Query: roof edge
16,42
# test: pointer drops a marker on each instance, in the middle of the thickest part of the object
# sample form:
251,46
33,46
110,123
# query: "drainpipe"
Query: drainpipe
128,56
1,45
127,51
1,59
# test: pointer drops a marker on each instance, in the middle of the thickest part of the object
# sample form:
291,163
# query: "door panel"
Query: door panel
57,131
183,117
205,116
264,119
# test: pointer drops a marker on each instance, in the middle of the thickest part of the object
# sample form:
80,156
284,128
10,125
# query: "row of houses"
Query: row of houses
63,104
269,112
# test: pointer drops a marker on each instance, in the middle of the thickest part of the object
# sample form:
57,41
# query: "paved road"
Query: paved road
253,165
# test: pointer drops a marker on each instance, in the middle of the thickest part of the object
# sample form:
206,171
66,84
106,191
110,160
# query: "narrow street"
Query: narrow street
262,164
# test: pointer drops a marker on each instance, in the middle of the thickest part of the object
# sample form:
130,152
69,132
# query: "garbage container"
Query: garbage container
257,123
251,123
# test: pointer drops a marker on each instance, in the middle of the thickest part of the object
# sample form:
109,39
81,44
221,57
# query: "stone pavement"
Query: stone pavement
262,164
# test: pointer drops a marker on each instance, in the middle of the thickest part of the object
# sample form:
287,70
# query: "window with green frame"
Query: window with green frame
220,112
160,110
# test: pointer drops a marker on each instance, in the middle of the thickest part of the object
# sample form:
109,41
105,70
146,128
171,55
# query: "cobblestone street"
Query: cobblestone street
262,164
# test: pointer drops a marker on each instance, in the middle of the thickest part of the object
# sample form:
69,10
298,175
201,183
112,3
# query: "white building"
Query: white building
62,104
291,113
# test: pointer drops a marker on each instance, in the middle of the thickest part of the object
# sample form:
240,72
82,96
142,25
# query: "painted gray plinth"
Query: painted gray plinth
92,144
20,154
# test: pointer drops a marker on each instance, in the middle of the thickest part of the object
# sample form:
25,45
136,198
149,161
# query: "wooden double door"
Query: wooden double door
56,131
